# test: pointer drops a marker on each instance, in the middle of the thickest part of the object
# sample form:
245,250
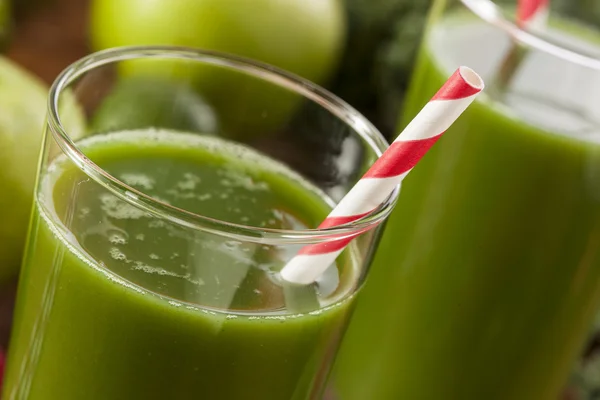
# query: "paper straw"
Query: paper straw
387,172
532,14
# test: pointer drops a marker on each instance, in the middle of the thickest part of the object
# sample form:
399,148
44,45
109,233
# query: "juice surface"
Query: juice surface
117,303
487,275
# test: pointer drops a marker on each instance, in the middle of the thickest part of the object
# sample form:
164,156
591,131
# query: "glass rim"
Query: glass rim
338,107
491,13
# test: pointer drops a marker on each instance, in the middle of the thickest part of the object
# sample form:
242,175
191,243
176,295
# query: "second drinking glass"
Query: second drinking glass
488,274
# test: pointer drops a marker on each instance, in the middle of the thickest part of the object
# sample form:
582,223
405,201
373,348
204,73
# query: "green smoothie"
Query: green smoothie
117,303
487,276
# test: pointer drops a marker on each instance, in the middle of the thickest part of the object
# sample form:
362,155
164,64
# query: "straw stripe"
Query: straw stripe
454,90
332,221
366,195
387,172
532,13
438,116
326,248
401,158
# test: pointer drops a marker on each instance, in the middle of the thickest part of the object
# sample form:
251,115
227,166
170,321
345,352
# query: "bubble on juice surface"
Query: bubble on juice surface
149,269
83,212
178,195
157,223
233,178
184,189
189,181
138,265
118,209
117,237
117,254
204,197
139,181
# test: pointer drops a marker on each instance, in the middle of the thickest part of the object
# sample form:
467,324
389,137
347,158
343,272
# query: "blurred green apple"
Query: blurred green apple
23,101
305,37
138,103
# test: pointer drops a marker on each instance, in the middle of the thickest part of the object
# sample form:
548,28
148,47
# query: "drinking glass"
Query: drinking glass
487,277
151,269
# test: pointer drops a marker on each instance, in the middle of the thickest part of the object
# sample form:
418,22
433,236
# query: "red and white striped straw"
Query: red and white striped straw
387,172
532,14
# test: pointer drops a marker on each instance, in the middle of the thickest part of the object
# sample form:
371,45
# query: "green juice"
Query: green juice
487,276
116,303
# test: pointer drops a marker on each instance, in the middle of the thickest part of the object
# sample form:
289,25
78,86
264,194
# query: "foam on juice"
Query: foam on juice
155,254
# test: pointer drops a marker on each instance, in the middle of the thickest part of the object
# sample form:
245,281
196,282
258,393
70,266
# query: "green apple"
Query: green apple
23,100
305,37
140,102
302,36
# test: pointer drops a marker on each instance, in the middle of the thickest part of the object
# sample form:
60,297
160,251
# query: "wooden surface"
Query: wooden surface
48,38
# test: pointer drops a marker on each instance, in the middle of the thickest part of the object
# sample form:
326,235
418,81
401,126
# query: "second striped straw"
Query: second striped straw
387,173
532,14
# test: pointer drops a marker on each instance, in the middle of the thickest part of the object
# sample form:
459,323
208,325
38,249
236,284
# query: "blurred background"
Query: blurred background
381,37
